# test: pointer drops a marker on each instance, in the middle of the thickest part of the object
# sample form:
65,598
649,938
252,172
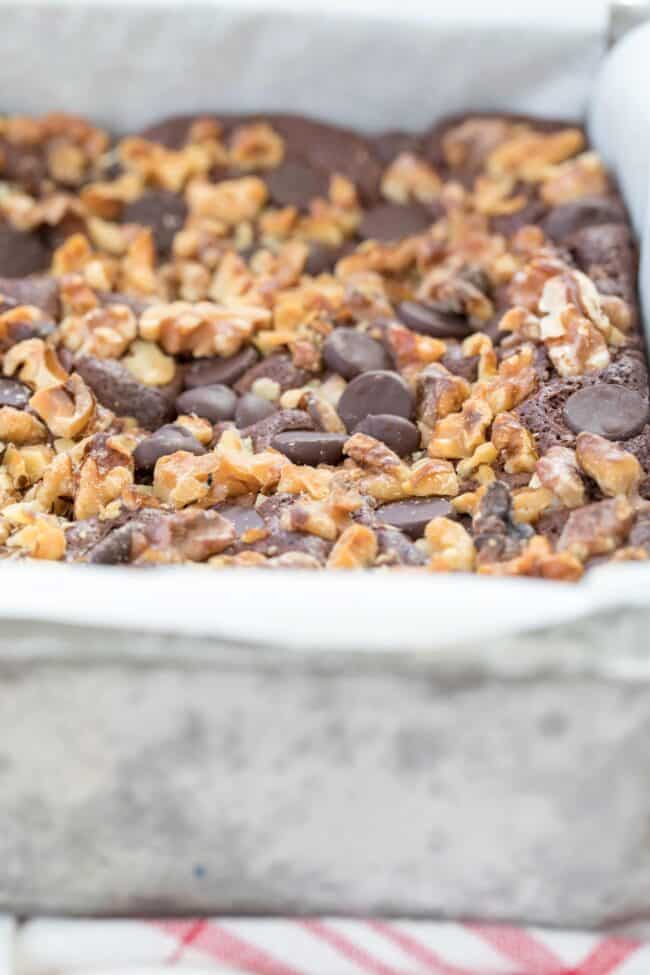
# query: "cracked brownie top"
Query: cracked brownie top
271,341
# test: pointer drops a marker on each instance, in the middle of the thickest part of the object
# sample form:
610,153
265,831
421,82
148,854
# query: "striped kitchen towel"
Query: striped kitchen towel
301,946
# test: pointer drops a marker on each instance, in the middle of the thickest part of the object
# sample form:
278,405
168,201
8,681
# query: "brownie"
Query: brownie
272,341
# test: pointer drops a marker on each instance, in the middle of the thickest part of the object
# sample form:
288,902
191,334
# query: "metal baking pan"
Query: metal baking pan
193,742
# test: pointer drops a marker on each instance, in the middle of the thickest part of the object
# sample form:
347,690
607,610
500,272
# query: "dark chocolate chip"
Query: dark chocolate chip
380,391
608,255
295,183
350,353
21,253
310,447
115,549
388,145
220,369
42,292
590,211
279,368
331,149
263,432
400,435
432,320
251,409
162,211
322,258
166,440
391,221
412,517
508,224
242,518
170,132
13,393
213,403
608,410
460,365
117,389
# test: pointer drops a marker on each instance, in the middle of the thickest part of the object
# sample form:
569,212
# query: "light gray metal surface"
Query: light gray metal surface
153,776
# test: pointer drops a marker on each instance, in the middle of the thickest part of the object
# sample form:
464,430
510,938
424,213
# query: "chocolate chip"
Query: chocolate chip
21,253
590,211
611,411
170,132
310,447
412,517
323,258
115,549
42,292
350,353
263,432
429,319
391,221
508,224
243,519
166,440
279,368
295,184
608,256
118,390
402,436
220,369
460,365
331,149
380,391
162,211
213,403
13,393
251,409
388,145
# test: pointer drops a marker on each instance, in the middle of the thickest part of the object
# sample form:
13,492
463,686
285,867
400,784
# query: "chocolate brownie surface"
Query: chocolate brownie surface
272,341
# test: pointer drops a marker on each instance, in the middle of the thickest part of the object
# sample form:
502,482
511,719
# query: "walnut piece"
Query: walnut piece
67,408
149,364
558,471
355,549
616,471
597,528
517,445
35,362
19,427
202,329
451,547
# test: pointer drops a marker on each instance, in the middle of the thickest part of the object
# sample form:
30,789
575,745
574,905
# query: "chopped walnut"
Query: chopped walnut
583,176
256,146
597,528
530,155
529,503
459,434
67,408
20,427
558,471
616,471
149,364
411,351
35,362
202,329
102,332
312,481
231,200
439,394
516,444
106,199
537,559
97,488
170,168
27,465
409,178
355,549
450,545
41,537
431,477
